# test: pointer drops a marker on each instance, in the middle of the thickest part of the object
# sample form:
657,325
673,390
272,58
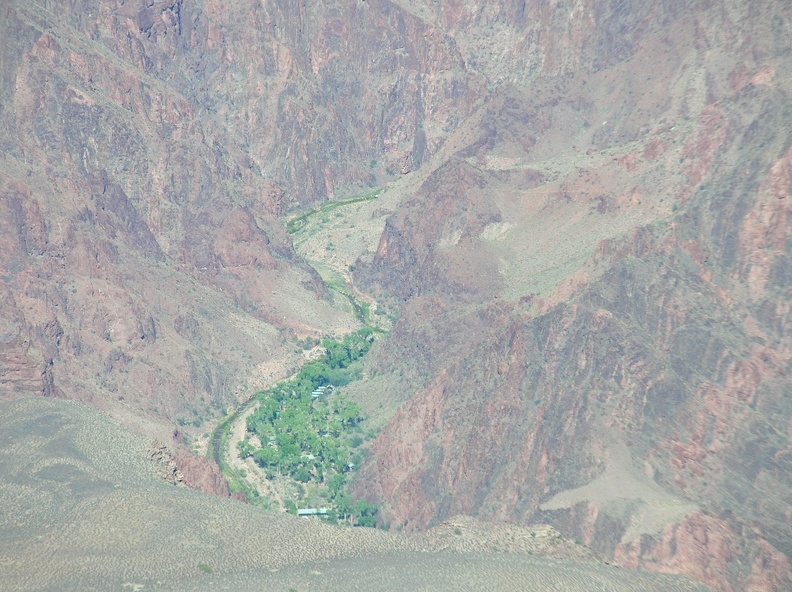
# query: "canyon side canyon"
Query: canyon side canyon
582,233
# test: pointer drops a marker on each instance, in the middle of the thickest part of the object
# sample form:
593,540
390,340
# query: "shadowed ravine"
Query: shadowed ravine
572,222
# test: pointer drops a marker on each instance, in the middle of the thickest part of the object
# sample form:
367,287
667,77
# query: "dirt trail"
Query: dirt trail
255,475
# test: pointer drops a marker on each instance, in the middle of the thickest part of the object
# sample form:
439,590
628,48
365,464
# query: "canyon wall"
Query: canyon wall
591,276
599,313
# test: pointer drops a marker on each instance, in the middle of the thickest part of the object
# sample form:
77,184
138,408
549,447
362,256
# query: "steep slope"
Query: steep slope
84,508
587,244
594,300
149,149
142,259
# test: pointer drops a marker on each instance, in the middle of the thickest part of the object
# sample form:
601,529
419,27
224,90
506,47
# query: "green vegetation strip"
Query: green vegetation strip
298,222
218,447
307,435
362,308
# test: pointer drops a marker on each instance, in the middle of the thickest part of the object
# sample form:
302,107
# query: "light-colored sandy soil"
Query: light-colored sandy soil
254,475
83,509
622,481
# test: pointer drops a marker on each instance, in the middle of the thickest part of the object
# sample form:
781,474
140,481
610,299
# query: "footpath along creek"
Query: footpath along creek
264,473
297,444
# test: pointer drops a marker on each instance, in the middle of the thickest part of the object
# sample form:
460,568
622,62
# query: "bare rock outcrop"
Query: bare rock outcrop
202,474
164,464
623,377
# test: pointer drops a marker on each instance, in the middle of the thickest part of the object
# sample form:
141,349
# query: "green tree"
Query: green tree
365,513
245,448
302,475
266,457
343,506
336,483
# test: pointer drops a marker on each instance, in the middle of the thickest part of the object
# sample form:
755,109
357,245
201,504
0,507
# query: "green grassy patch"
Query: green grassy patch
300,221
307,434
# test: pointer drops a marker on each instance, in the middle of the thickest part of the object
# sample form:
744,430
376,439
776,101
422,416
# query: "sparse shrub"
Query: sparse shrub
365,513
206,568
302,475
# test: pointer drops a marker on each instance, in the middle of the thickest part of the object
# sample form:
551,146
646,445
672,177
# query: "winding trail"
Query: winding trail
256,476
364,308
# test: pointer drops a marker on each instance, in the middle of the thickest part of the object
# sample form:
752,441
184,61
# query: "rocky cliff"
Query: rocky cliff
142,256
593,290
588,258
149,150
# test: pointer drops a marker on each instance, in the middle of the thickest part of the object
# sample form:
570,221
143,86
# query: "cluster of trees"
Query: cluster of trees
337,366
310,432
301,436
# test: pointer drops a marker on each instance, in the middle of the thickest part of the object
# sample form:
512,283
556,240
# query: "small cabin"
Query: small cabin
321,390
306,512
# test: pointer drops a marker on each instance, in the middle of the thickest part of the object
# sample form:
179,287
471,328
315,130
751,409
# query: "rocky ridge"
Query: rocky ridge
595,314
587,249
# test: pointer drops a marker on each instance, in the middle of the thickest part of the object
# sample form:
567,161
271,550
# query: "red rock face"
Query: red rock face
202,474
704,548
595,259
135,230
670,339
149,149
